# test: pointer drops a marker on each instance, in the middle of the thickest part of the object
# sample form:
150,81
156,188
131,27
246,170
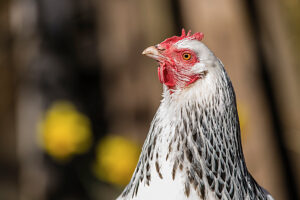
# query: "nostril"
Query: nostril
159,48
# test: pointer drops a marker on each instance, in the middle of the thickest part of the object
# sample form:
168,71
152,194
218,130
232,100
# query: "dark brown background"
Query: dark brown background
89,51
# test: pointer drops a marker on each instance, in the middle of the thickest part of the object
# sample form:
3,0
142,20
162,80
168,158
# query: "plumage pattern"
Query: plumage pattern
193,148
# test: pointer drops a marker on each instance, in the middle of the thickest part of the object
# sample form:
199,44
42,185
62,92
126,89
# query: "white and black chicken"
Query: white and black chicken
193,148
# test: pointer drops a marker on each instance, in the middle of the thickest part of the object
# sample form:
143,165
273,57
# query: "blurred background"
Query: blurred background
77,97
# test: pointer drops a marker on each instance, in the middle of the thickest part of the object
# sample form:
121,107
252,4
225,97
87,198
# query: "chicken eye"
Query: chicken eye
186,56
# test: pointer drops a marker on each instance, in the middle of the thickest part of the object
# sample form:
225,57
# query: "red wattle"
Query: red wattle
165,76
168,78
159,75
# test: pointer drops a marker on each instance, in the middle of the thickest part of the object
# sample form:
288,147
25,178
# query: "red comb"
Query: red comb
172,40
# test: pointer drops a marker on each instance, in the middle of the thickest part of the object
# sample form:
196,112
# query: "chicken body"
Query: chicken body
193,148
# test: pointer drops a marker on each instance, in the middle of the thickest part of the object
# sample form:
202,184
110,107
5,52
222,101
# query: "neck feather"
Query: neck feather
200,135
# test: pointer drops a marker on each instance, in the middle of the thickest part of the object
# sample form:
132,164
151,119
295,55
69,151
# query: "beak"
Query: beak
154,53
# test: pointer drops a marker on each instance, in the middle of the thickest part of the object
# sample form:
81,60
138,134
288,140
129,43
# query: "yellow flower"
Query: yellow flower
116,160
65,131
243,117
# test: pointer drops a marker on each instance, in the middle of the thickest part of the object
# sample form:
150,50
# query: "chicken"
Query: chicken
193,148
